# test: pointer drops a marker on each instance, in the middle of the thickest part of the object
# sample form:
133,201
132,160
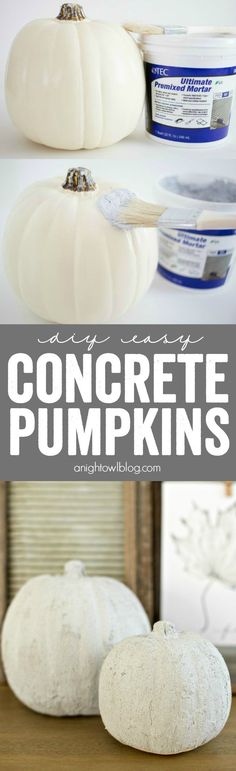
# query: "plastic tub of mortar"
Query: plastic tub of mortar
190,85
194,258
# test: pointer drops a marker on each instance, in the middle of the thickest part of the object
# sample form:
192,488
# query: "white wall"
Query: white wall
200,12
197,561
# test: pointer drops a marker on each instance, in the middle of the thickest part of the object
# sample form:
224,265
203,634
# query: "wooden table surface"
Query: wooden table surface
32,742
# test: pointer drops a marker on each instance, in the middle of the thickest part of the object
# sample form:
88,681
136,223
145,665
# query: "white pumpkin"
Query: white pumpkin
73,83
166,692
67,262
56,634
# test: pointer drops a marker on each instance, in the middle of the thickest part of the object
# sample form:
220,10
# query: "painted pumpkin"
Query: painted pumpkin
166,692
73,83
67,262
56,634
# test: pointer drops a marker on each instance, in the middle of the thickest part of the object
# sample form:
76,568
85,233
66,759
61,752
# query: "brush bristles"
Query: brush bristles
140,213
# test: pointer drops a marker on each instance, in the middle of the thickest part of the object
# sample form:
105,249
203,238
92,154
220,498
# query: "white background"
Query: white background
136,162
180,590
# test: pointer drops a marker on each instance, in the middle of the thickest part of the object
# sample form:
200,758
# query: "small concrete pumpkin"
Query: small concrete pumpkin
56,634
67,262
73,83
166,692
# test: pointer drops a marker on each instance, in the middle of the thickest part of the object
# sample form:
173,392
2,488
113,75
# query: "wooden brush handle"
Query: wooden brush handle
143,29
228,488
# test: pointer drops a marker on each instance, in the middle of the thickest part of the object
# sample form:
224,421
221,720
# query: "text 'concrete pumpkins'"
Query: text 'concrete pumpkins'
56,634
67,262
166,692
73,83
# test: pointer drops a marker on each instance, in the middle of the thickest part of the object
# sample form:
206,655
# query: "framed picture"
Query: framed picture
198,561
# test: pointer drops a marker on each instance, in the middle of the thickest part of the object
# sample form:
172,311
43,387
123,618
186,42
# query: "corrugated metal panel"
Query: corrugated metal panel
51,522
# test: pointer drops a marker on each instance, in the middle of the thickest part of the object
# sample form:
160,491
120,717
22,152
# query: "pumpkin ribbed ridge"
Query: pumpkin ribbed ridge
56,634
68,263
71,85
164,693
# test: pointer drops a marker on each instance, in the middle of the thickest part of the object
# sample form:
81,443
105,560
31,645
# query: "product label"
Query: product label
198,259
189,105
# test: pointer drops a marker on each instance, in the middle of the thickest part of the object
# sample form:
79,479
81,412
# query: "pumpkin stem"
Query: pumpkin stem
165,630
71,12
79,180
74,569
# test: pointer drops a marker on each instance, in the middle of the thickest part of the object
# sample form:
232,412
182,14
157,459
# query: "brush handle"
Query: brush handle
194,219
143,29
215,220
154,29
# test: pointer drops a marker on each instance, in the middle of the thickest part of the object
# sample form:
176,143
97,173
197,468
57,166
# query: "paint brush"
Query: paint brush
154,29
124,209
